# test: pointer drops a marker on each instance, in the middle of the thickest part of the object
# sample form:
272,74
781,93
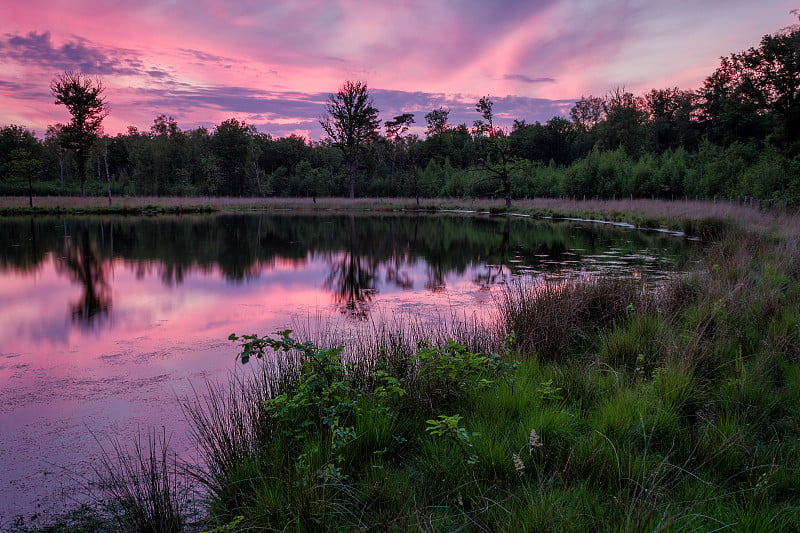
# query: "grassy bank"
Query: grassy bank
589,406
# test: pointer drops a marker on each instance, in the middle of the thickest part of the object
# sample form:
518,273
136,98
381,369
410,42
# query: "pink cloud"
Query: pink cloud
272,63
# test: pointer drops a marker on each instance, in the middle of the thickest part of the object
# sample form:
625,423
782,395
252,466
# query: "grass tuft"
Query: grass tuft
145,485
559,320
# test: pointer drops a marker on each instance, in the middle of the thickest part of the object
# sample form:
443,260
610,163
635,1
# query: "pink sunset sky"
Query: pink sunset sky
273,63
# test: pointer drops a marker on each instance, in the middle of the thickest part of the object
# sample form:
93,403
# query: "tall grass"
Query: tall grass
557,320
145,485
229,425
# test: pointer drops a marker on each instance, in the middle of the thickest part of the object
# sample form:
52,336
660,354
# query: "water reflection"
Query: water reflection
362,256
83,263
496,269
352,277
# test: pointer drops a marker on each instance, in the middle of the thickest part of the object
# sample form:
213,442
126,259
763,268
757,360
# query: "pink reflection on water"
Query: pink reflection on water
62,379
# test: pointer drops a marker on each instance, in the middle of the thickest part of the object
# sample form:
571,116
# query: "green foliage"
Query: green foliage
624,123
637,345
230,526
321,403
446,371
547,392
448,427
337,418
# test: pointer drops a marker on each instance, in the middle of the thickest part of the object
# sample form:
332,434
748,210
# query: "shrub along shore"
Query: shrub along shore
586,406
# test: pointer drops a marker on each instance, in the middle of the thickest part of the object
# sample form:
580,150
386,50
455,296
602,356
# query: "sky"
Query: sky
273,64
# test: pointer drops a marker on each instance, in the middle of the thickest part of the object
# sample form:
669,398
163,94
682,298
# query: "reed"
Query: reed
145,485
560,320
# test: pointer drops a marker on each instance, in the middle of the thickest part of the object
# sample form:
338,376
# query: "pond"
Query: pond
105,322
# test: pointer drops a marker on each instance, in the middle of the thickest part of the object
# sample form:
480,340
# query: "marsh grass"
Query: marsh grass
145,485
560,320
230,427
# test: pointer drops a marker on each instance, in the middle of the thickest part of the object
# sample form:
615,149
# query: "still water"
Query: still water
105,322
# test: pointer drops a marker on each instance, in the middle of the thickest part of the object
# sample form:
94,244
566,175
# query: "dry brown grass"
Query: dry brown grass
775,221
555,320
784,222
219,202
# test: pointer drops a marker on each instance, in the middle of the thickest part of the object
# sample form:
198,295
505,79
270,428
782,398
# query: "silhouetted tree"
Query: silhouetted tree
729,110
558,136
25,167
233,144
54,147
350,122
752,87
496,158
83,98
624,123
543,143
395,129
21,158
777,78
670,113
484,107
165,125
437,122
588,112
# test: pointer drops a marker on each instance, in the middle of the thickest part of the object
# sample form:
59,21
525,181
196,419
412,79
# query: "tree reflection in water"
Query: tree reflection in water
360,255
84,264
352,278
496,262
396,264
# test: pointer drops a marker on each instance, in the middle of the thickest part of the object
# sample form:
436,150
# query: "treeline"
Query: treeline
737,136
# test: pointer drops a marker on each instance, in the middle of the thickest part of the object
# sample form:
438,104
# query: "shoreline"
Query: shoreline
642,213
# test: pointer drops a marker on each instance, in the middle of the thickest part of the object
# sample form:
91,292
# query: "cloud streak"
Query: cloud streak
527,79
78,54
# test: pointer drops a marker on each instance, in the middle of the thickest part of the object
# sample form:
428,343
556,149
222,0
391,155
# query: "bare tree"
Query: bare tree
495,158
